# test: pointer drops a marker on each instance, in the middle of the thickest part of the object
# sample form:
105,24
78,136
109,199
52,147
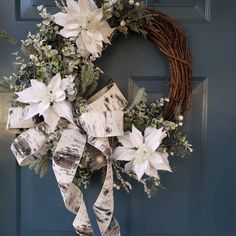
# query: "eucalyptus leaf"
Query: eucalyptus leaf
4,87
140,96
40,165
5,35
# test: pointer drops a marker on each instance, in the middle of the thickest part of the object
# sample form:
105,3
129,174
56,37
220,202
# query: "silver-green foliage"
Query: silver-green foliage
40,165
6,36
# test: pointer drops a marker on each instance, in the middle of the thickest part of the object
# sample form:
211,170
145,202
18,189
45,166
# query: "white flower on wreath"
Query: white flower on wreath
83,20
141,152
48,100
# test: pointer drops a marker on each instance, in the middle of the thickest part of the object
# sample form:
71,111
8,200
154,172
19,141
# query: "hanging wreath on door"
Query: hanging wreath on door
60,120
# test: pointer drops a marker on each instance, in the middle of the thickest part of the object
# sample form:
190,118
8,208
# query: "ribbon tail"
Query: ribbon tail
66,159
113,229
104,207
76,204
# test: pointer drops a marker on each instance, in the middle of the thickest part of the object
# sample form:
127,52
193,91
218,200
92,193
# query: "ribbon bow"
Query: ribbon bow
103,118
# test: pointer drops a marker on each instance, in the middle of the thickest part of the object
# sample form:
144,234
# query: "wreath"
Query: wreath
61,120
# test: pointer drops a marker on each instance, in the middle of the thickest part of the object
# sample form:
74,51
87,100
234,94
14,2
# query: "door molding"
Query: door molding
194,11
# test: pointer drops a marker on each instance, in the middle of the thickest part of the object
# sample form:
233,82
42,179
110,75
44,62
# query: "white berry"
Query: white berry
122,23
99,159
131,2
181,124
172,153
33,57
137,4
180,118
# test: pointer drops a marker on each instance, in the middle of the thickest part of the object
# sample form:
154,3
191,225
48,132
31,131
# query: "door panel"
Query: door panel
198,199
187,10
42,208
178,201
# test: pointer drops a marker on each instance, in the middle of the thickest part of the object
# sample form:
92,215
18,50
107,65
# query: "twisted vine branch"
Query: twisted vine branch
170,38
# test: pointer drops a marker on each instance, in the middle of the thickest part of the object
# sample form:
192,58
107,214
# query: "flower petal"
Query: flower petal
155,160
55,82
136,137
73,4
151,171
73,9
164,156
89,43
93,5
59,95
51,118
95,35
61,18
153,137
125,140
42,107
159,160
38,85
129,166
66,33
139,168
63,109
33,110
73,24
96,15
123,154
29,95
54,88
105,30
85,5
81,47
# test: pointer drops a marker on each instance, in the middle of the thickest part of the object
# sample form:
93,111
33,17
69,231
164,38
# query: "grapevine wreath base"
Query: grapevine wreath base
60,120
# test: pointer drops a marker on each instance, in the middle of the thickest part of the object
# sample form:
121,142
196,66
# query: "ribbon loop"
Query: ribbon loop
28,144
102,124
16,119
109,98
104,115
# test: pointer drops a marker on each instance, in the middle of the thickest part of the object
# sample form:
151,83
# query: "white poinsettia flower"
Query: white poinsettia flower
83,20
141,152
48,101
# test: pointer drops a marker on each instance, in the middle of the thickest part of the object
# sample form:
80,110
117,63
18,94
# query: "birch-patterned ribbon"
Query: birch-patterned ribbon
103,118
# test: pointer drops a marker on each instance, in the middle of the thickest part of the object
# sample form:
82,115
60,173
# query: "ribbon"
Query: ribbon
16,119
102,118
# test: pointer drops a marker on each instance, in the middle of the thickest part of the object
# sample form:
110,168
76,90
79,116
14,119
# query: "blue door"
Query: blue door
199,198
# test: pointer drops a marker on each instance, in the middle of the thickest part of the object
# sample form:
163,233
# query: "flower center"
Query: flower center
142,153
50,97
